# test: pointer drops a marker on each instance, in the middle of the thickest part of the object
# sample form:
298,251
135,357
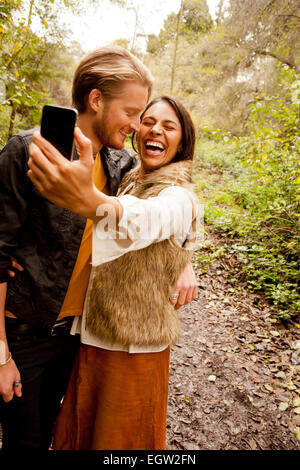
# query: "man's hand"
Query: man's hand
16,265
67,184
10,381
10,378
186,288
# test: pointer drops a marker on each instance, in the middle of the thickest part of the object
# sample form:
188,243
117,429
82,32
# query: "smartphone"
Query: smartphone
57,126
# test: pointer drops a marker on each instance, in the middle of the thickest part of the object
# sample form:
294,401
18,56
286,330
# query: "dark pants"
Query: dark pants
45,363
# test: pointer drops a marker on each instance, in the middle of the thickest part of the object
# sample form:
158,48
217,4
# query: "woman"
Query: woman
117,394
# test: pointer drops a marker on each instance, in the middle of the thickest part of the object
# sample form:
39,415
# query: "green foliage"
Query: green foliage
29,61
195,21
195,18
253,197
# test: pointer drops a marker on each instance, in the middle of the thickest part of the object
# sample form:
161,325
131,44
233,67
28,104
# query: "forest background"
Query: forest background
238,74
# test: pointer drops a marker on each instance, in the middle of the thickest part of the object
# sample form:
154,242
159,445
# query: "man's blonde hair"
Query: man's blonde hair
108,69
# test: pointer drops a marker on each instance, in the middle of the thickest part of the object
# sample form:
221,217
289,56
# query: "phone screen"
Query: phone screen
57,126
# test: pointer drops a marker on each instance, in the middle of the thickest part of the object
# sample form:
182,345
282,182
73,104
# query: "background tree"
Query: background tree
223,68
268,28
37,59
173,50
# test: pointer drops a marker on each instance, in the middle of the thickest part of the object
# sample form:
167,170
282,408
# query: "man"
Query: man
110,90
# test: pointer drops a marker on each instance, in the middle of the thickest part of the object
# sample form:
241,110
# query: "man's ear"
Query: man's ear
95,100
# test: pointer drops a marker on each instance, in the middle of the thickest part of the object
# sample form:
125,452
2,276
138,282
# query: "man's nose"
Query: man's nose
135,124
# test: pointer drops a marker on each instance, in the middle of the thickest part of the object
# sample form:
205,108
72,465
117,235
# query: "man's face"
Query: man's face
120,116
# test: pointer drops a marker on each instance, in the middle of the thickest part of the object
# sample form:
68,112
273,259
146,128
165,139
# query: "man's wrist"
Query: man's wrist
5,355
94,201
105,206
9,358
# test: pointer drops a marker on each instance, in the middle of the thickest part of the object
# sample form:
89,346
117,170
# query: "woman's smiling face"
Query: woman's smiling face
159,137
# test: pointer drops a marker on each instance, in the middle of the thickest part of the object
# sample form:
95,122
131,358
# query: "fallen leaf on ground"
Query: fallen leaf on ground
212,378
283,406
280,375
252,444
296,401
297,432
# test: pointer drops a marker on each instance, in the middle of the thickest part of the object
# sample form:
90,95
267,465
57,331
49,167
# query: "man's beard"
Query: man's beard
106,134
101,131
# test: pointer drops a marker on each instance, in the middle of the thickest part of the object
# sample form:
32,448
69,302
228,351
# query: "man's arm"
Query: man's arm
69,184
14,192
52,175
13,203
8,370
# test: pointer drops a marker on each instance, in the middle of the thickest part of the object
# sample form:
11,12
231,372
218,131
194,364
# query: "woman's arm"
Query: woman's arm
144,221
69,184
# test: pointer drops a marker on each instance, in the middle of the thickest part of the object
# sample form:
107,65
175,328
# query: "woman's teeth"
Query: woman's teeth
154,146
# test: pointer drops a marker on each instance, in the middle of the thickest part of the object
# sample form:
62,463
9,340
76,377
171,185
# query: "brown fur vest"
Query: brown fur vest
129,301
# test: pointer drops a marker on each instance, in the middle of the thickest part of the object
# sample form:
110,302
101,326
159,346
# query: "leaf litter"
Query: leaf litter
234,378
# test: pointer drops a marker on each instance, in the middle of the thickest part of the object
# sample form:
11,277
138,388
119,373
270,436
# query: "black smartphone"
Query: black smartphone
57,126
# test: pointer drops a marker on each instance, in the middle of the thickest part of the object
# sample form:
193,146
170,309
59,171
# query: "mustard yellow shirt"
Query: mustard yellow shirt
74,300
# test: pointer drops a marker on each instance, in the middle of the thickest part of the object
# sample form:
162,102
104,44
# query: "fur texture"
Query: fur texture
129,301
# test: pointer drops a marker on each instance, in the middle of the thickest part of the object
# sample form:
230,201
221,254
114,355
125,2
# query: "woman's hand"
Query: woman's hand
186,288
67,184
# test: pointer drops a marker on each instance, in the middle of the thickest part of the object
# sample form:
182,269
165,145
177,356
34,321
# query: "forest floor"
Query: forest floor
234,376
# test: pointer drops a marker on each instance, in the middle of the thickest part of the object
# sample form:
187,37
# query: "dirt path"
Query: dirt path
234,381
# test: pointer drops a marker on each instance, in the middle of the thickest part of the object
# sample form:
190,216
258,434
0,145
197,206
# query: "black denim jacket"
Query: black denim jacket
43,237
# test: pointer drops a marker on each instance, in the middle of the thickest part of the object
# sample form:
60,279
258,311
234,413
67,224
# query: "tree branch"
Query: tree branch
14,56
291,16
280,59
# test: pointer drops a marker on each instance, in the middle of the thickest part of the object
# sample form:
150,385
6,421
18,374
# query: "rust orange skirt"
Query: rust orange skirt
115,401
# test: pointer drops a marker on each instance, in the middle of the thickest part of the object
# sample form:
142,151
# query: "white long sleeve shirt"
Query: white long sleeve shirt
143,222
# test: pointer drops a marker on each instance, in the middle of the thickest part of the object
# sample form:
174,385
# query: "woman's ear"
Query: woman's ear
95,100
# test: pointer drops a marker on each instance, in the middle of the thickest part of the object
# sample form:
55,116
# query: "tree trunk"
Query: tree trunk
175,48
12,119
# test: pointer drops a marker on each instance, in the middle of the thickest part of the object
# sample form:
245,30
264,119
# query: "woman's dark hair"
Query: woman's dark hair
187,127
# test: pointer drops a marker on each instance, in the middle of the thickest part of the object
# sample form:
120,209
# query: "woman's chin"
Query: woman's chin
152,164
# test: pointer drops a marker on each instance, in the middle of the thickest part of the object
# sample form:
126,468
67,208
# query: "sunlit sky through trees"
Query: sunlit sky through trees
105,23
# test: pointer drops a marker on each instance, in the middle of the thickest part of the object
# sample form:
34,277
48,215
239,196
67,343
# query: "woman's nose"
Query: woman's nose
156,128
